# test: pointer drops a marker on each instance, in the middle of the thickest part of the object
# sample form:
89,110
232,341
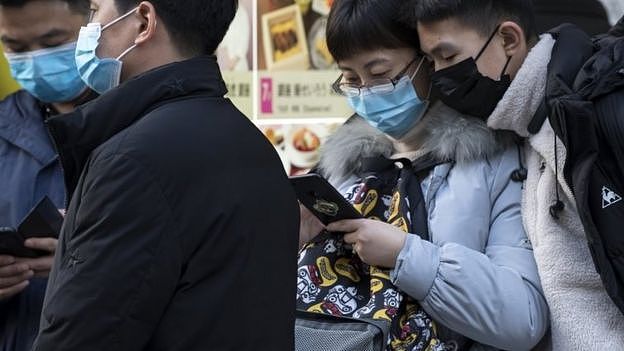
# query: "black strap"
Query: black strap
414,175
539,118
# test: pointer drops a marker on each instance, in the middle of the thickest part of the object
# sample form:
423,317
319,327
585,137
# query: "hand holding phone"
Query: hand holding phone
43,221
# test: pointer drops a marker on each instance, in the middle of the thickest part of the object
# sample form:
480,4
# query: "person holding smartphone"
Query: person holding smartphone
475,275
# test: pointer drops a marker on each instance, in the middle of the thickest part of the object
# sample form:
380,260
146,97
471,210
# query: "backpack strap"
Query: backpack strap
415,173
539,118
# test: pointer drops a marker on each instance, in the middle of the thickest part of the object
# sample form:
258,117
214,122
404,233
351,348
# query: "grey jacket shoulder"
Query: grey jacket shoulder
479,256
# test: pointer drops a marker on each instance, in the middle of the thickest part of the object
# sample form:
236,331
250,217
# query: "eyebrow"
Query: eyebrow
366,66
9,40
345,68
375,62
441,47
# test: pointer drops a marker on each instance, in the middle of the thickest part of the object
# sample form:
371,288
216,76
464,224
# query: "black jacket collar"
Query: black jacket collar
78,133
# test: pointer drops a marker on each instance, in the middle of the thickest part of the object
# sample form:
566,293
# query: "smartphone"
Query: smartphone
322,199
42,221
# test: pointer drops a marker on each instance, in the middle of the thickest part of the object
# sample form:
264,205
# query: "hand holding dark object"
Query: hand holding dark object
41,266
310,226
377,243
14,277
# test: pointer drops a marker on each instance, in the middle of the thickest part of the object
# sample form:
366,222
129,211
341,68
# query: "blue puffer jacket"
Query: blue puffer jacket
29,170
477,277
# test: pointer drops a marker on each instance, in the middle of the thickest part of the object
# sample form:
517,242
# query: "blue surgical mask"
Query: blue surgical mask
393,113
50,75
100,74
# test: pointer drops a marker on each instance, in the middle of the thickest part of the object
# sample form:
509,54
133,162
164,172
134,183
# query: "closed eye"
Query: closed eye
351,80
381,75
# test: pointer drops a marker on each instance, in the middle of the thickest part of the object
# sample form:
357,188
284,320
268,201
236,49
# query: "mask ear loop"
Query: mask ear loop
126,52
505,68
429,91
120,18
487,43
416,73
123,54
417,69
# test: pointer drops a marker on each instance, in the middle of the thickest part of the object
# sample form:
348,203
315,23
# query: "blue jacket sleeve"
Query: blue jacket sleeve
493,297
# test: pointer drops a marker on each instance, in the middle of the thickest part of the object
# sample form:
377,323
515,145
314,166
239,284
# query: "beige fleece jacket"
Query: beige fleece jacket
583,317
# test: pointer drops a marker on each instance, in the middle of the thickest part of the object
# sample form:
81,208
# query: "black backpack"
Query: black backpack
585,106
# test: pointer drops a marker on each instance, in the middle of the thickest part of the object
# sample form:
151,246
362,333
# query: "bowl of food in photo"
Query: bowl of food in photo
302,145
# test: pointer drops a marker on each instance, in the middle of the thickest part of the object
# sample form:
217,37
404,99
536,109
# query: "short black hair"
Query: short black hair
482,15
355,26
78,6
196,26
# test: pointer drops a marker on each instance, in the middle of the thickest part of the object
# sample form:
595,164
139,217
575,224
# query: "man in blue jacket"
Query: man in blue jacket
39,39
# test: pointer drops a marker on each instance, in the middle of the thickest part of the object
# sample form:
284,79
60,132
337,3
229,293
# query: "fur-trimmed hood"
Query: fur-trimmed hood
444,134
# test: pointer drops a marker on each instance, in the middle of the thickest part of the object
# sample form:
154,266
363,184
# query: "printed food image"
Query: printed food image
319,52
285,40
305,140
275,137
322,7
321,48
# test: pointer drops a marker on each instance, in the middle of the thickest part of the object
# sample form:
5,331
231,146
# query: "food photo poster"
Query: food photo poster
279,72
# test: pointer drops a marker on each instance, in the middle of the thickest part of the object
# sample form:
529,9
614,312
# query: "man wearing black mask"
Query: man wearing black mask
490,63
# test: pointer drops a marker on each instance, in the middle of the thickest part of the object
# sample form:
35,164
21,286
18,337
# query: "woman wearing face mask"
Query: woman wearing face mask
469,263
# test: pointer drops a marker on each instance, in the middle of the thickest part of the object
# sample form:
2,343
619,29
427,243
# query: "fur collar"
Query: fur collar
443,133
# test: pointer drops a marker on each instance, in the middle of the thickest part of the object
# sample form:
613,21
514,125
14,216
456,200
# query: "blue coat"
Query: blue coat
477,277
29,169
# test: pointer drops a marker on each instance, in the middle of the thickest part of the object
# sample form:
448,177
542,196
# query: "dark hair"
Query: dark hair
79,6
355,26
481,15
196,26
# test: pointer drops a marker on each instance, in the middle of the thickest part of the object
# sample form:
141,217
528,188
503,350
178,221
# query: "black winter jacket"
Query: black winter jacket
182,230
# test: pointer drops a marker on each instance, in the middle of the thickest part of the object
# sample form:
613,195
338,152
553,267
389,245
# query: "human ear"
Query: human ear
148,22
514,39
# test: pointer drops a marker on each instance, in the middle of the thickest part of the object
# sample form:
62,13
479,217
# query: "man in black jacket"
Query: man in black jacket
181,233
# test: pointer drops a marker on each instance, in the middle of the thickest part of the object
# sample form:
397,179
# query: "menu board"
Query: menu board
279,72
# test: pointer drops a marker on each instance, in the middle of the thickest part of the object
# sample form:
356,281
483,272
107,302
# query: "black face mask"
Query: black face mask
465,89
